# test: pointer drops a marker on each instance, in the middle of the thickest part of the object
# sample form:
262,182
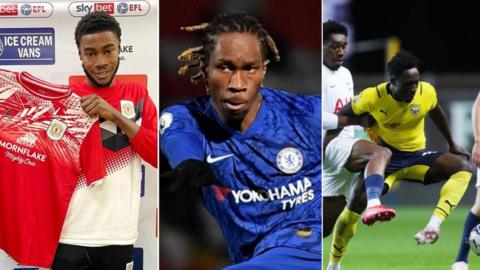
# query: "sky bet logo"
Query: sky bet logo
107,7
8,9
116,8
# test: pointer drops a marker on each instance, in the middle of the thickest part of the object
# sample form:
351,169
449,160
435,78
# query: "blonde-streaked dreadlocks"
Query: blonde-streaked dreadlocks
221,24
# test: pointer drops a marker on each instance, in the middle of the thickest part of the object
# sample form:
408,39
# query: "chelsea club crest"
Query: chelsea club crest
289,160
165,121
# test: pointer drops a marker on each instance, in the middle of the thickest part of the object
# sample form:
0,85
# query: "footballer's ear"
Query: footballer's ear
204,71
265,65
203,68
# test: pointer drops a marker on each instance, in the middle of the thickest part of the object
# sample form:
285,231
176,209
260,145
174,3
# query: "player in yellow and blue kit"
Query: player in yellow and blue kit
252,152
347,158
399,108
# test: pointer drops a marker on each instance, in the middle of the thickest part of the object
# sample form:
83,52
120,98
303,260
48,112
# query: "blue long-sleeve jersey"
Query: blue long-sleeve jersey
268,189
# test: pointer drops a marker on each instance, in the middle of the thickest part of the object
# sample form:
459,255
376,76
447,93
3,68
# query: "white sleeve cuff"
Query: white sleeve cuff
329,120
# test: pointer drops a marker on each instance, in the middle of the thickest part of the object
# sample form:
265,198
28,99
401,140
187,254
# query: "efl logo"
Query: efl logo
8,9
27,10
133,8
35,10
114,8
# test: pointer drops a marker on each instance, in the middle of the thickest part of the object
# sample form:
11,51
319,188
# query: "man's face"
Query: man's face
235,71
99,54
405,85
334,51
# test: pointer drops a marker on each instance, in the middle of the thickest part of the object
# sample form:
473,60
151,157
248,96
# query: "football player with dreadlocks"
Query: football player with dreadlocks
252,152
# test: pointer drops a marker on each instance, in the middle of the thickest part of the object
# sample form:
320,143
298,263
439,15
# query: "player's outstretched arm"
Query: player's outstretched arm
334,121
330,120
440,119
348,117
476,131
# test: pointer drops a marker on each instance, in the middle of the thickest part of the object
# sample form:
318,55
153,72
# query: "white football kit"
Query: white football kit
337,91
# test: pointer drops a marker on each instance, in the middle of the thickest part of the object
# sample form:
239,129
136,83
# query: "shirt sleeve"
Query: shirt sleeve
145,141
92,160
363,102
432,95
180,138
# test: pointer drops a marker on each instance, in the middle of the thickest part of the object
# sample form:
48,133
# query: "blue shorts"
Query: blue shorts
402,160
281,258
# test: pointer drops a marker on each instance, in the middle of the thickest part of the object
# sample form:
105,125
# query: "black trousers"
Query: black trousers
71,257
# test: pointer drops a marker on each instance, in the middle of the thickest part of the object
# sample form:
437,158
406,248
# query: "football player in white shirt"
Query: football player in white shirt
345,155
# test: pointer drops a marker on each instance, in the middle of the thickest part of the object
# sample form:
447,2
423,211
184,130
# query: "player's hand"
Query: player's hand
457,150
366,120
476,154
188,177
94,105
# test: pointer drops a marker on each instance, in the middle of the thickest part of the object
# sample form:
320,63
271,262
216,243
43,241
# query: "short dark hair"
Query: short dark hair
96,22
333,27
402,61
221,24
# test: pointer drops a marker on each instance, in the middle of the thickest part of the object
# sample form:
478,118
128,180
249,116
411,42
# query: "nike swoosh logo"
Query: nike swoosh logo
211,159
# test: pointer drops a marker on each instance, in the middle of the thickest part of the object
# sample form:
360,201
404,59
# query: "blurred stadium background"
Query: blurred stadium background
445,36
189,238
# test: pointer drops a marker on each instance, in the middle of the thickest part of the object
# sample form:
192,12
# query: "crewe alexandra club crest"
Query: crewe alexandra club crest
127,108
56,130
